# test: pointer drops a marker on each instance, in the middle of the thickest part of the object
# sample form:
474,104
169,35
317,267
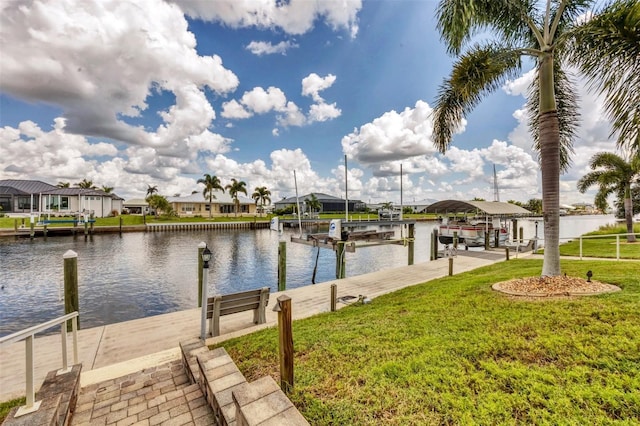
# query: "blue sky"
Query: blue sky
130,94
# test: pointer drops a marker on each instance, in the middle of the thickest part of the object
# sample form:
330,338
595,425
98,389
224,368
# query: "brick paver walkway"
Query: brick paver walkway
160,395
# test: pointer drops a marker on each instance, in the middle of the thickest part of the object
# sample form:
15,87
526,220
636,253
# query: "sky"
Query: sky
160,92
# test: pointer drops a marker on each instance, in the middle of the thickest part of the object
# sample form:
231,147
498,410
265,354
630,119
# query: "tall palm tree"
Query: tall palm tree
234,188
261,195
211,184
107,189
151,190
613,174
547,35
63,185
86,184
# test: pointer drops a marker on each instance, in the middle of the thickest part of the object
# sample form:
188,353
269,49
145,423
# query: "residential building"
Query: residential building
33,196
221,205
329,203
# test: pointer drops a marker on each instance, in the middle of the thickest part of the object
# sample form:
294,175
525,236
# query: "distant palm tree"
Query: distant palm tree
107,189
387,205
211,184
151,190
261,195
85,184
63,185
234,187
313,203
613,174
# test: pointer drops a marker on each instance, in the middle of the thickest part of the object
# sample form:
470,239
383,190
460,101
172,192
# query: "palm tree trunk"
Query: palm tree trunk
550,166
628,214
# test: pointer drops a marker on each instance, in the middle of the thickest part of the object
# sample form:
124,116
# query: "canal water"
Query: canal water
137,275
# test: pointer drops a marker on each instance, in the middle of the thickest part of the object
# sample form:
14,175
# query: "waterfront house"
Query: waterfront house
328,203
137,206
34,196
222,205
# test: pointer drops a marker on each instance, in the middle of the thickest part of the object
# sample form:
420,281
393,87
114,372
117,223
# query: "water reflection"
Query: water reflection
142,274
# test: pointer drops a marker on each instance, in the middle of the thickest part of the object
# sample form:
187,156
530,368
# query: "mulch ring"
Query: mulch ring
557,286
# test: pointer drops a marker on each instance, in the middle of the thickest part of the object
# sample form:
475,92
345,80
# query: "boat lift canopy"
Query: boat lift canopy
490,208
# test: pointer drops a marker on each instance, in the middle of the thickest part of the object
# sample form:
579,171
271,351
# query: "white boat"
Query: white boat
472,234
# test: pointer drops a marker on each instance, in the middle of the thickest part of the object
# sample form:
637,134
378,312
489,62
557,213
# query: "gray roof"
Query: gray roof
81,191
26,186
487,207
323,198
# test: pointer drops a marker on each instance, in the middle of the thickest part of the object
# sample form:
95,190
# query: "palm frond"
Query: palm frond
480,71
460,20
607,50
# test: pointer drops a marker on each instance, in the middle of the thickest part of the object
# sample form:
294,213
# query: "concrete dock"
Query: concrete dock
115,350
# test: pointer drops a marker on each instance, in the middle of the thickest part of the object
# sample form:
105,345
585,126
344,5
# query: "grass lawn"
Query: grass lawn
452,351
602,246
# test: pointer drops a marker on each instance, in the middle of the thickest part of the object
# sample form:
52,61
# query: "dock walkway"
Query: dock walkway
120,349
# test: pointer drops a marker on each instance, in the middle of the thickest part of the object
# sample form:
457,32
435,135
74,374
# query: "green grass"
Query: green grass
5,407
604,246
452,351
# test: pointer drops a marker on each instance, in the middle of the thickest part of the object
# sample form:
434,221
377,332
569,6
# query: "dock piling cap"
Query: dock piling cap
69,254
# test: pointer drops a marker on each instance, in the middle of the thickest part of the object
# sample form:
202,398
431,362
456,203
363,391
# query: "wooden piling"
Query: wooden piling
71,296
411,243
286,343
434,245
340,260
450,266
506,252
514,225
334,297
282,265
32,232
44,231
120,224
521,234
486,241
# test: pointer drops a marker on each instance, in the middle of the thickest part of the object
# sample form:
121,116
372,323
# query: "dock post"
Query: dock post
44,231
91,220
434,245
282,265
334,297
201,247
15,225
450,266
120,224
411,243
514,224
71,284
506,252
521,234
486,240
86,227
340,261
32,226
285,328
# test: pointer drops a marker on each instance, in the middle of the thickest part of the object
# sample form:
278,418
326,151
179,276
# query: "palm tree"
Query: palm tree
234,187
85,184
261,195
613,174
63,185
313,203
107,189
546,35
211,184
151,190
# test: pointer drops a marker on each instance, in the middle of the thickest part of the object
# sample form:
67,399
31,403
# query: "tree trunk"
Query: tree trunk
550,166
628,214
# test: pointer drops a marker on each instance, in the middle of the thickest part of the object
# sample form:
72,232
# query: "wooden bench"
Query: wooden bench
227,304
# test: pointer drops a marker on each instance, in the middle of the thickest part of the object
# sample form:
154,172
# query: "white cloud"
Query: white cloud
260,48
323,112
291,116
292,17
393,136
313,84
100,61
260,101
233,109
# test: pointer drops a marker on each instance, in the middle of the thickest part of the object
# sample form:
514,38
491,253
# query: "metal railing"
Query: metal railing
28,336
608,236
